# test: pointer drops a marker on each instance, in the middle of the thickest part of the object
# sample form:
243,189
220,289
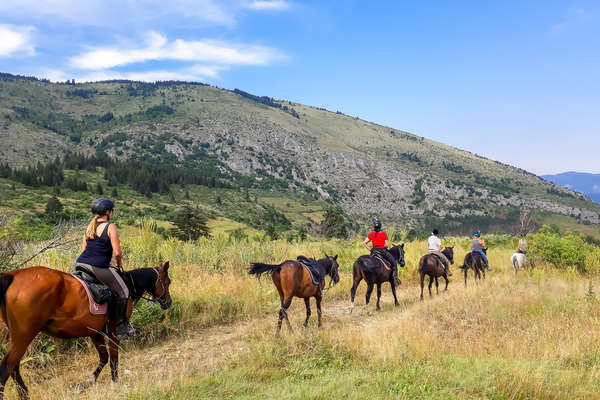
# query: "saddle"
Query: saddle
314,268
99,292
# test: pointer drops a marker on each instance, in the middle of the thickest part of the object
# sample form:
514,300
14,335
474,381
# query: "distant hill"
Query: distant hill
168,138
583,182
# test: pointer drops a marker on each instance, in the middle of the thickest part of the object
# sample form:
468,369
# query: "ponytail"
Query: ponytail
90,233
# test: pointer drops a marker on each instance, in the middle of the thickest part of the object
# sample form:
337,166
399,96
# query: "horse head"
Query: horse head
332,266
398,253
160,290
449,253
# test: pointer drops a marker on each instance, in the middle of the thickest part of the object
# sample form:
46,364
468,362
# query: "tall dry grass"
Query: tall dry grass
533,335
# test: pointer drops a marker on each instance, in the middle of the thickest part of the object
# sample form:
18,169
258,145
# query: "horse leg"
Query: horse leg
319,297
307,303
446,278
437,291
422,284
465,270
395,297
368,294
430,284
284,307
113,350
100,344
357,279
10,364
378,296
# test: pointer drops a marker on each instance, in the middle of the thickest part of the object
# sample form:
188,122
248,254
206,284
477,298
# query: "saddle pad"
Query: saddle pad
383,262
95,308
314,275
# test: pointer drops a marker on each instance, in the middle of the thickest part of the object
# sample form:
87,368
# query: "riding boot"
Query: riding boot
124,328
448,273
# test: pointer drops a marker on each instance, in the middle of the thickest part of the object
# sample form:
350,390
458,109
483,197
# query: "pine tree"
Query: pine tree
53,206
115,193
190,224
99,189
334,224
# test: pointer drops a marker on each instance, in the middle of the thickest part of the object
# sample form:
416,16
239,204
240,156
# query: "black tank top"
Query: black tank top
98,251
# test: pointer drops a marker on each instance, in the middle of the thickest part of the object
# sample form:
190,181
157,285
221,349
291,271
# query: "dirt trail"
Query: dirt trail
202,351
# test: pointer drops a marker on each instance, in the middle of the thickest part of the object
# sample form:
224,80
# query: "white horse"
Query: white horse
518,261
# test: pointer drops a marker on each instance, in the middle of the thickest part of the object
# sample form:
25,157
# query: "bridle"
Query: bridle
154,299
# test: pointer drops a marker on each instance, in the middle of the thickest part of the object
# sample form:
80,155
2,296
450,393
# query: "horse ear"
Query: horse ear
326,256
335,257
402,245
166,266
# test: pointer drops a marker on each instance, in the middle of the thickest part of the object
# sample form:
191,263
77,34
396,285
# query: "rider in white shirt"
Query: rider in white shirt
435,247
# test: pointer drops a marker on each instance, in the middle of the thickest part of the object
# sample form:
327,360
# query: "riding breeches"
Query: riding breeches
111,278
442,258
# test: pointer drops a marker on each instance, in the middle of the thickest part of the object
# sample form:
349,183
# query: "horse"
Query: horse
474,261
432,266
291,279
518,260
41,299
375,272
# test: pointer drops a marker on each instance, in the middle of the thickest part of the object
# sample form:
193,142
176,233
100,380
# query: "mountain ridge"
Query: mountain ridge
368,169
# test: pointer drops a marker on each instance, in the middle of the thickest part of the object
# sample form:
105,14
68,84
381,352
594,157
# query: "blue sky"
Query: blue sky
515,81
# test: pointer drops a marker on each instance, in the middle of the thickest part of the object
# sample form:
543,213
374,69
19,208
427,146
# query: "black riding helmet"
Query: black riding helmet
102,205
377,225
435,231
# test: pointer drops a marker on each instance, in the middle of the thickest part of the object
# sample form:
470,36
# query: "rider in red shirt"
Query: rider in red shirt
379,242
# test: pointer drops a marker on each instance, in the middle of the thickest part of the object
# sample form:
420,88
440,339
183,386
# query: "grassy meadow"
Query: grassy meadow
534,335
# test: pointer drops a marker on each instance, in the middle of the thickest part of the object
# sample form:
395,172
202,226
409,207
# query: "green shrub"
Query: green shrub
562,250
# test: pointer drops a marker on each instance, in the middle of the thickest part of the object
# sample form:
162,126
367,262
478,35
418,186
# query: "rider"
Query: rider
477,245
435,247
522,247
100,243
379,241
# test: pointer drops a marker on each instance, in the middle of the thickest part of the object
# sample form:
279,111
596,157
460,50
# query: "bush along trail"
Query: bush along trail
531,335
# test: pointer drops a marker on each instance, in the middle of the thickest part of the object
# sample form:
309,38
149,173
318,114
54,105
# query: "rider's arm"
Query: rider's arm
482,243
83,243
386,243
116,244
366,242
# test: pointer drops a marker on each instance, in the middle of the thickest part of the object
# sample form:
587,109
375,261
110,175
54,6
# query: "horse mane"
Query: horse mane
141,280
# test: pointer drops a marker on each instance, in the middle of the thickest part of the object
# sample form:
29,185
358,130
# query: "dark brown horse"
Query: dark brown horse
292,279
432,266
474,261
40,299
375,272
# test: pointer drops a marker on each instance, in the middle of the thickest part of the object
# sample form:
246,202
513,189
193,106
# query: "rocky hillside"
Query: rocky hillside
366,168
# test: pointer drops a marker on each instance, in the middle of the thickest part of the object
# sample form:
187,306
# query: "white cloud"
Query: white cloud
268,5
596,188
159,48
15,40
119,13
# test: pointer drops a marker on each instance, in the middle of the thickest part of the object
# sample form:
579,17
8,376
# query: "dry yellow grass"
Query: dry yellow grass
534,335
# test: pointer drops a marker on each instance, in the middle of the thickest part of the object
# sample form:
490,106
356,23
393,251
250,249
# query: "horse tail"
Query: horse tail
5,281
515,262
259,268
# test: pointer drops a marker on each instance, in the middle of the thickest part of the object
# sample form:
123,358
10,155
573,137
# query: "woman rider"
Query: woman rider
477,245
100,243
379,241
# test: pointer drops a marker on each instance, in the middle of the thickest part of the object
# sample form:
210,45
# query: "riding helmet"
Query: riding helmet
478,234
377,225
102,205
435,232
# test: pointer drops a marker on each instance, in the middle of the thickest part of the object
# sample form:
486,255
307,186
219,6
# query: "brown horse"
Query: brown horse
432,266
292,279
374,272
474,261
40,299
